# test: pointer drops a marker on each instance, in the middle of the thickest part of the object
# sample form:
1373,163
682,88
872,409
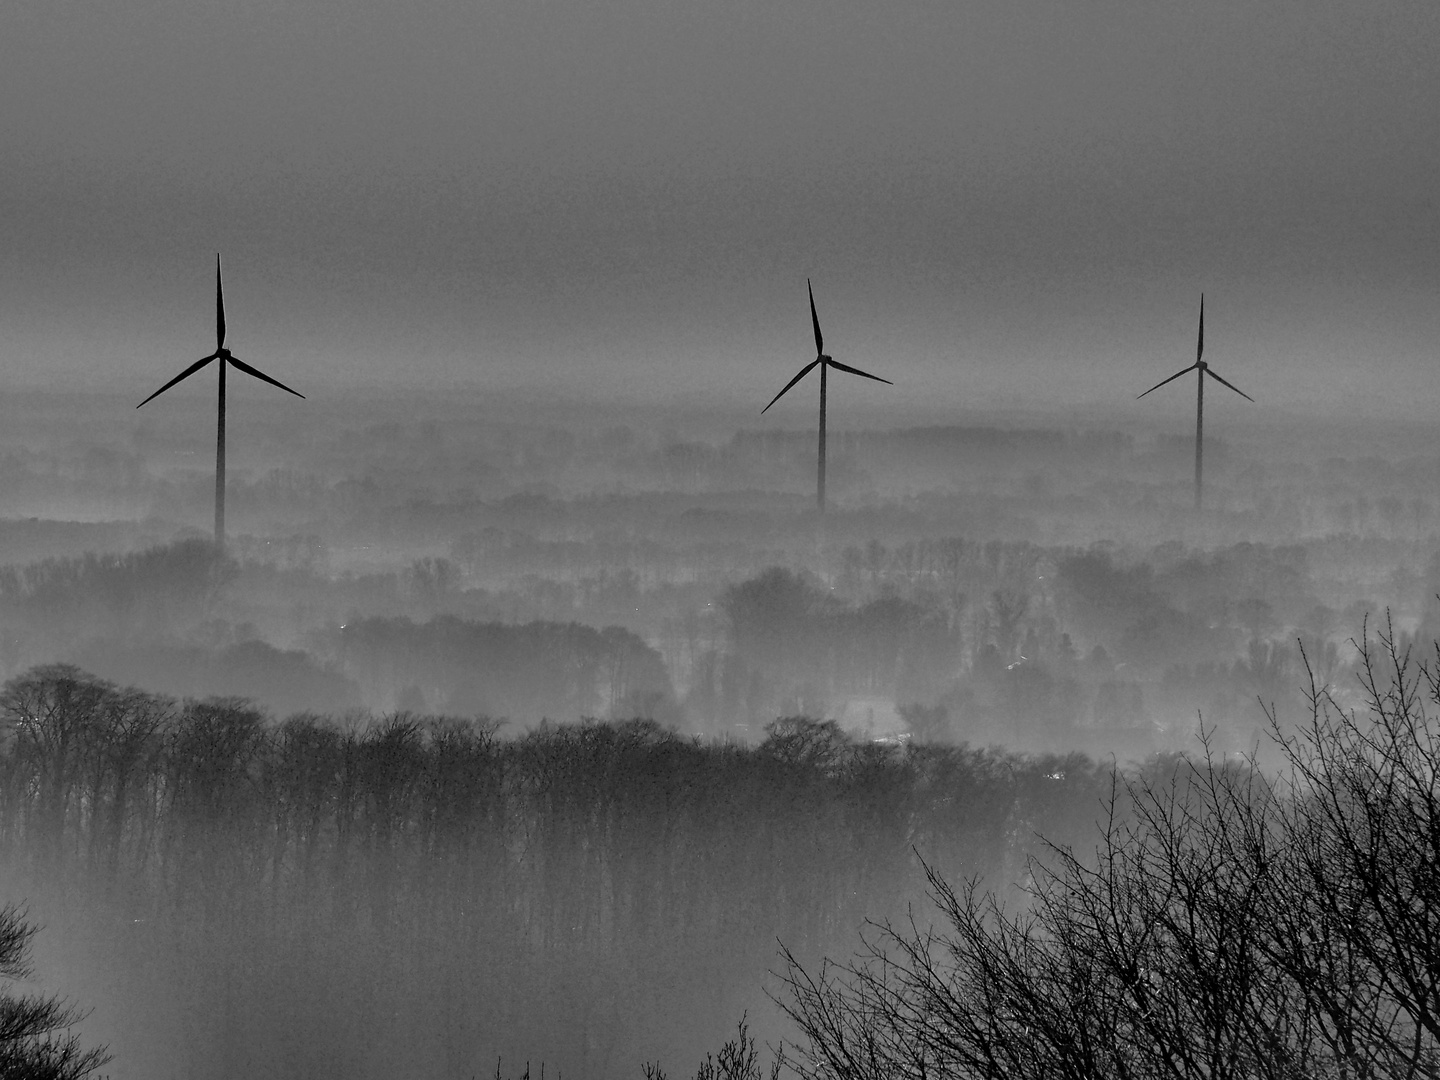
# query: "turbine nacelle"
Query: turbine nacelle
221,353
822,358
1200,367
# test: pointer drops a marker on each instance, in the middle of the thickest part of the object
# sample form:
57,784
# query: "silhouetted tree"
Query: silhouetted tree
35,1038
53,715
1228,925
772,616
738,1059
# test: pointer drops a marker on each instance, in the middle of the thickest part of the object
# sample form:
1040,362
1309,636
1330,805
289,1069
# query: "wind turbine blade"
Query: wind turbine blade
857,371
803,372
1211,372
182,376
815,319
262,376
1172,378
219,307
1200,344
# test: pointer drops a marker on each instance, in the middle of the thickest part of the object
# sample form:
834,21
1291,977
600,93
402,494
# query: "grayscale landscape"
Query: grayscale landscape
505,685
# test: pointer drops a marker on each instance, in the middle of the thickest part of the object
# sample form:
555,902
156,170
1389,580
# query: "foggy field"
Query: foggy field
536,740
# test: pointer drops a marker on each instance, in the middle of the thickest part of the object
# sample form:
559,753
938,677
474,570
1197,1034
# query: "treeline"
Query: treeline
1010,642
529,672
427,887
48,603
1019,644
942,449
178,618
1091,648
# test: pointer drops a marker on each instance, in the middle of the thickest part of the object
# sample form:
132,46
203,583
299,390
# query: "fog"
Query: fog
531,706
450,554
517,729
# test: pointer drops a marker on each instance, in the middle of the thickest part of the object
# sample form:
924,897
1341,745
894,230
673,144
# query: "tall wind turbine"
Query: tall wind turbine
1201,369
824,362
226,357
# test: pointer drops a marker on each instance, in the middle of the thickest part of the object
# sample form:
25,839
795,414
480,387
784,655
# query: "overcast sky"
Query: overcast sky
996,201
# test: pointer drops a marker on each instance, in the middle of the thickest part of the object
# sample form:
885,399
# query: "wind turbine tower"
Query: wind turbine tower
824,362
1201,369
226,358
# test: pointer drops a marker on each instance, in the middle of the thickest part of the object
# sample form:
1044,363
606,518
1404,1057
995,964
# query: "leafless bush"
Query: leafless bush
738,1059
35,1041
1227,925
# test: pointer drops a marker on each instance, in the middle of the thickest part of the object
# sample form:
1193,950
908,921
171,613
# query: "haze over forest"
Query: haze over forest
530,699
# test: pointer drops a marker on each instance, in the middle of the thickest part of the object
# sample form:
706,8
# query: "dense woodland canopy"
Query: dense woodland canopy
1035,581
1040,647
314,888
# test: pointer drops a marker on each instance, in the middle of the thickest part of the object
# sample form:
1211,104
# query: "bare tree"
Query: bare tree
52,713
1358,915
1228,924
738,1059
35,1040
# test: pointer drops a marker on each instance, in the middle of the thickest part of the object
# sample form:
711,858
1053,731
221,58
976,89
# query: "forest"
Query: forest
422,896
489,743
267,882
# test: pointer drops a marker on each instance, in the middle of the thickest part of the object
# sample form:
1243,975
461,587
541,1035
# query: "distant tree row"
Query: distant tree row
527,672
162,618
418,865
103,777
1066,649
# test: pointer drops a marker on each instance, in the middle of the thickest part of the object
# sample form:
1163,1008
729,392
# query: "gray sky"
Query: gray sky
997,201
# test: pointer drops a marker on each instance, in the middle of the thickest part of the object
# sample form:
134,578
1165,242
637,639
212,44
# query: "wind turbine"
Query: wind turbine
226,357
824,362
1202,369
